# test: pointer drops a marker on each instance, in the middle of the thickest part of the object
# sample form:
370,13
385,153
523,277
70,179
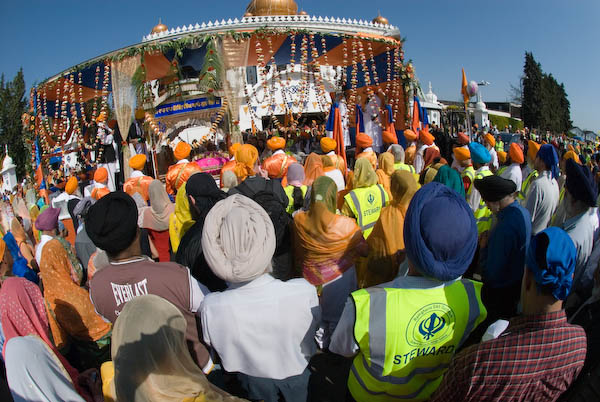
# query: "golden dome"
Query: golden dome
302,13
248,15
272,7
380,20
159,28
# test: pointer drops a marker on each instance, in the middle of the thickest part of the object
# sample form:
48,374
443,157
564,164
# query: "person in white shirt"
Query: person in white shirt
261,327
490,144
61,202
47,222
513,171
543,193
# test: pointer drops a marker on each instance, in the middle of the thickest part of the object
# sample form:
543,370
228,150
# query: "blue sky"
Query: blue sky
487,37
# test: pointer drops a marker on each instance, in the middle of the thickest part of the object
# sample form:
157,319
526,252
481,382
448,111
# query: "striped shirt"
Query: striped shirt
535,359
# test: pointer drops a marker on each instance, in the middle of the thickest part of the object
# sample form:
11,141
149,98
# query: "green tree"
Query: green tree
532,92
12,105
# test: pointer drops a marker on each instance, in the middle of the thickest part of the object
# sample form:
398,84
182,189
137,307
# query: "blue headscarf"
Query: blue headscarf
561,257
450,177
548,154
440,233
479,154
20,267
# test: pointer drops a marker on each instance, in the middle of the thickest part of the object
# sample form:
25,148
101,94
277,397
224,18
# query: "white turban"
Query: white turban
238,239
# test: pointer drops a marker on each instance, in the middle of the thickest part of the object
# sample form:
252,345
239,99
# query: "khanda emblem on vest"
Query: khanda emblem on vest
431,326
371,198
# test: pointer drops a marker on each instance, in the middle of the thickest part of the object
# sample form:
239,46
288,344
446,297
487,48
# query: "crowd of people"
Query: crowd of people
447,268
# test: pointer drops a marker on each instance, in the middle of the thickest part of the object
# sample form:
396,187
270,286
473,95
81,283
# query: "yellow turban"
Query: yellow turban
328,144
533,149
101,117
490,139
101,175
2,249
410,135
71,185
571,155
276,143
233,148
182,150
137,162
462,153
139,114
502,156
245,158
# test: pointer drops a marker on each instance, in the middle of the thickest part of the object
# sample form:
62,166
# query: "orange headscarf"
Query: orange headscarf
245,158
385,171
313,168
233,149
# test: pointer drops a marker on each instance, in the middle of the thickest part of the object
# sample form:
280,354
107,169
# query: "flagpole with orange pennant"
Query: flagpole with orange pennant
466,98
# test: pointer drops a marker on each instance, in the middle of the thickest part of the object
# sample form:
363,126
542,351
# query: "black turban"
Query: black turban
112,222
494,188
580,183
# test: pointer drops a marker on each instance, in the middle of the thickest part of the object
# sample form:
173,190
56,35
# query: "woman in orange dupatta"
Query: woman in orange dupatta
326,247
387,239
313,168
385,171
68,303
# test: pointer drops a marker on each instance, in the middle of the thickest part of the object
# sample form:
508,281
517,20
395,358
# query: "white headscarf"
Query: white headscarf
238,239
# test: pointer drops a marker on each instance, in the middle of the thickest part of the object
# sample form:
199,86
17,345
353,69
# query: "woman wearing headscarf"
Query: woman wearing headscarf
155,219
22,314
181,220
203,194
245,157
327,246
387,239
15,263
25,246
385,171
332,172
451,178
313,168
296,189
71,306
151,359
367,198
267,337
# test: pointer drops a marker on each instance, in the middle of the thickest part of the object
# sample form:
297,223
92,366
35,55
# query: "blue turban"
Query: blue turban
479,154
580,183
560,256
440,233
548,154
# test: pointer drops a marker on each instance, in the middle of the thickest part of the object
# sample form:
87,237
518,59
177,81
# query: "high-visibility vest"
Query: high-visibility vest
404,166
366,204
499,145
501,170
289,191
407,338
532,176
470,173
483,215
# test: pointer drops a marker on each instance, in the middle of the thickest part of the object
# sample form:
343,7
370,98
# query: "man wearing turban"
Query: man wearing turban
490,144
402,334
277,164
481,158
61,202
364,149
543,193
411,146
180,172
462,159
229,165
138,182
513,171
328,146
108,151
100,188
502,253
426,140
529,172
268,335
539,344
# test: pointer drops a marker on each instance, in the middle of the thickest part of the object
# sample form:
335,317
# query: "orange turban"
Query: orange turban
101,117
137,162
233,148
533,149
490,139
71,185
571,155
570,148
276,143
182,150
101,175
328,144
245,157
462,153
463,139
502,156
410,135
426,138
363,140
516,153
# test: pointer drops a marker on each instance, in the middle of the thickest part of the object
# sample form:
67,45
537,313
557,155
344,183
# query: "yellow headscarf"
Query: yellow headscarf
181,220
364,175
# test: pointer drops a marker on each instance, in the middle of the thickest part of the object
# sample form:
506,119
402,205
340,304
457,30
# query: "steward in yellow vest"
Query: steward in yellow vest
365,202
399,164
289,191
483,216
403,334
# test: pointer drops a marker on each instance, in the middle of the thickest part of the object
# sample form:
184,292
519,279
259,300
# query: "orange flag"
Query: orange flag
338,136
416,121
465,94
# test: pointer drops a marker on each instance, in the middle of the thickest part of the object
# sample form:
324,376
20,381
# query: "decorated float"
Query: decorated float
210,81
